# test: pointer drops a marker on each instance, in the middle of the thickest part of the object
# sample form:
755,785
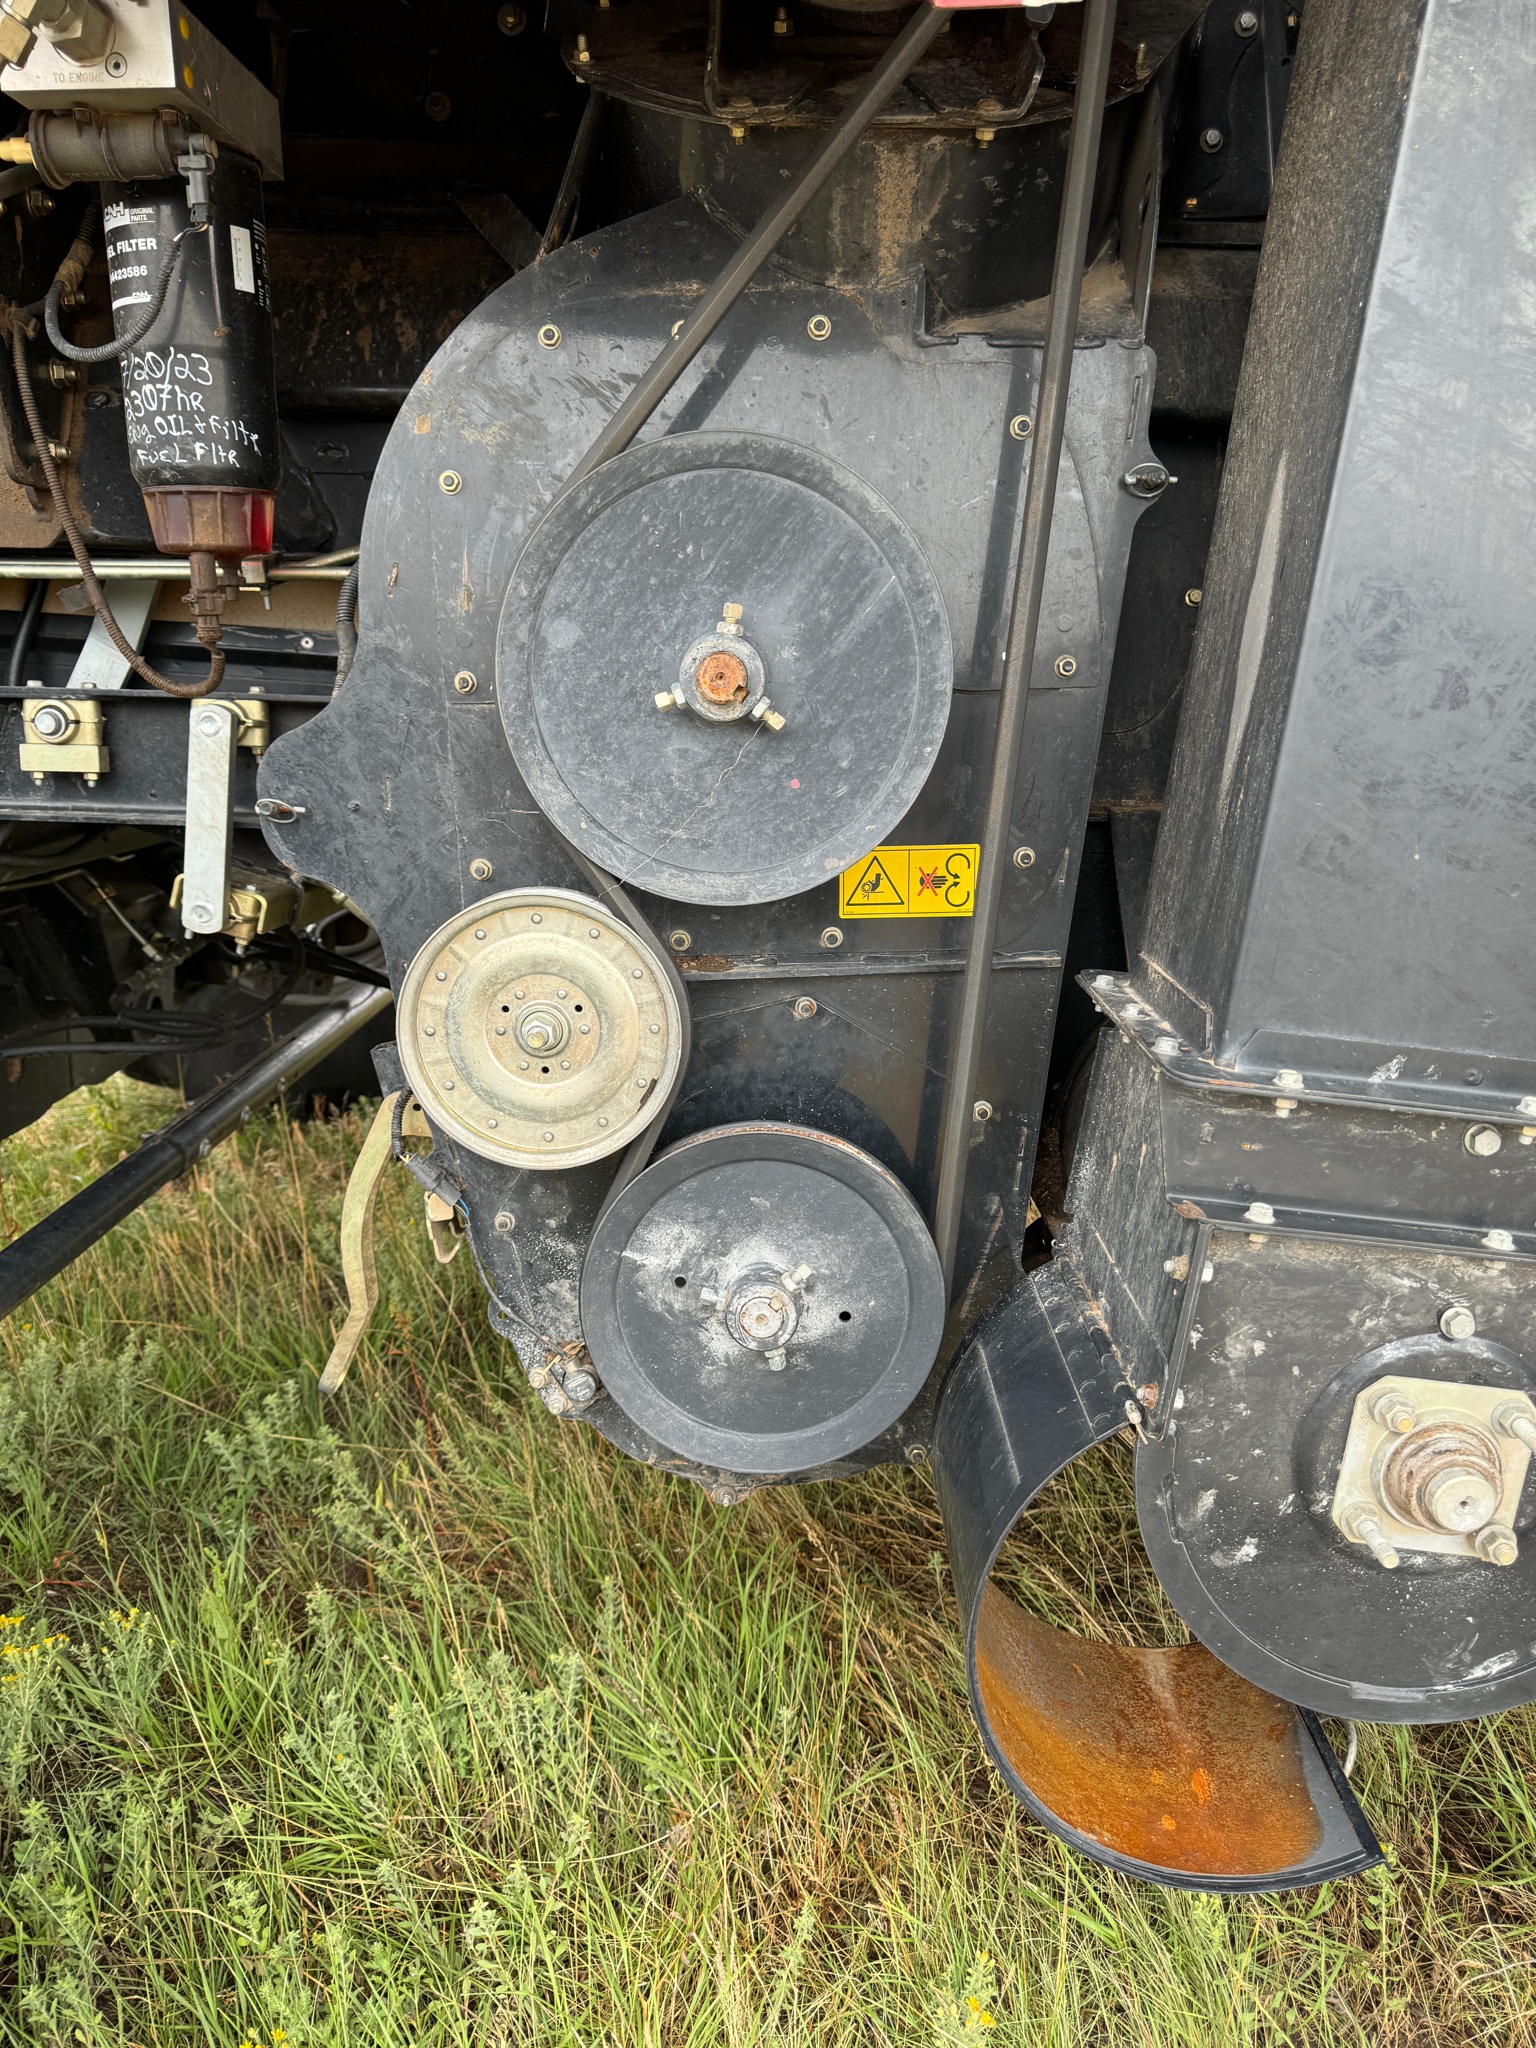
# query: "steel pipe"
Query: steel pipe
48,1247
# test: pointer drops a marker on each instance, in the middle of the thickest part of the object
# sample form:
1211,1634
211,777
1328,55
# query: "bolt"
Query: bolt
450,481
986,135
666,700
1147,480
1457,1322
1211,140
1023,856
679,941
982,1112
464,682
1103,981
49,722
730,615
583,54
1514,1418
1259,1212
1393,1411
549,335
782,25
775,1360
554,1399
1065,665
1021,426
1499,1241
1207,1275
818,327
765,714
1290,1081
1177,1268
511,19
805,1007
1193,599
481,870
711,1297
39,203
437,106
1482,1141
1495,1543
1527,1105
59,450
63,374
1247,23
1284,1104
1360,1525
1165,1045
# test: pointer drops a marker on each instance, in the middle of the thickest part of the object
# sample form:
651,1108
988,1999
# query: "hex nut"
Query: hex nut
805,1007
464,682
1065,665
1021,426
1259,1212
481,870
1247,23
549,335
511,19
450,481
1023,856
506,1222
679,941
1482,1141
818,327
1194,599
982,1112
832,938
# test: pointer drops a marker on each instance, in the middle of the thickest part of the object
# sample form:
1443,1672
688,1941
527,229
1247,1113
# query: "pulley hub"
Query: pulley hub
538,1029
690,1290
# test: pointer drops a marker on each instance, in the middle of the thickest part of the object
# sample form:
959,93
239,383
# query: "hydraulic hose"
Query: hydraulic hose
21,327
72,269
26,633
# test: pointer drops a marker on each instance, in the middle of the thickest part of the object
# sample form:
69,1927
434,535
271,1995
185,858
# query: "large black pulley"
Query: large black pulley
763,1298
724,667
1162,1763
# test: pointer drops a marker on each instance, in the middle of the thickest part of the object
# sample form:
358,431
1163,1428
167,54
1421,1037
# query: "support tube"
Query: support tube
48,1247
1024,618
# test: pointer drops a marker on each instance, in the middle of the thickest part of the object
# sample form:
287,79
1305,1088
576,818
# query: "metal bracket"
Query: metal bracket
212,736
99,665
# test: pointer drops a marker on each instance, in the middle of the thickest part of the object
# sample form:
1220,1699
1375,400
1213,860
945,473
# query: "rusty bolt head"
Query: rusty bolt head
805,1007
721,678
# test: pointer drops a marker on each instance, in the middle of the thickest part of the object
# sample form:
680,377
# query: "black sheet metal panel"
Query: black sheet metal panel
406,779
1344,877
1235,1500
619,583
737,1213
1159,1763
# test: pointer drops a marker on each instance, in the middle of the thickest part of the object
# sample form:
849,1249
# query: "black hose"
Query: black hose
346,626
26,633
123,342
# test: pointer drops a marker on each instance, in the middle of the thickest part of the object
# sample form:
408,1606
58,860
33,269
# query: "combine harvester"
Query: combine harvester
929,724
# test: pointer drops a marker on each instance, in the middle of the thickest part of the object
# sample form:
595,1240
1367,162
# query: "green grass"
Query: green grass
426,1719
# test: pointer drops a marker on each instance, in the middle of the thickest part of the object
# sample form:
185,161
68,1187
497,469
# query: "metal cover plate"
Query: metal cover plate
538,1029
627,570
744,1198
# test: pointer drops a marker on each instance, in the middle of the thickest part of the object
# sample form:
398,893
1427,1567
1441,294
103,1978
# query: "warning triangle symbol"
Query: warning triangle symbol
875,886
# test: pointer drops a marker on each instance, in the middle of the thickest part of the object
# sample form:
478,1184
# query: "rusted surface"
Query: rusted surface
1438,1452
1162,1755
721,678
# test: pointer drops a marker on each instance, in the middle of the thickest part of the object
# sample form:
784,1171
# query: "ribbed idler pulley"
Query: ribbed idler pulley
539,1030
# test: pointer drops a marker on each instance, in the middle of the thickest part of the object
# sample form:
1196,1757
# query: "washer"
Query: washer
763,1298
724,667
538,1030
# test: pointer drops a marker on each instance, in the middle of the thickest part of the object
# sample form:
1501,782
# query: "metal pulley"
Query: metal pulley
763,1298
724,667
538,1029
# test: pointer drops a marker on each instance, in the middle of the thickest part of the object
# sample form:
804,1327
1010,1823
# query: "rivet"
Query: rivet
593,932
429,1031
637,974
450,481
655,1029
587,1027
549,1137
537,917
448,1085
480,931
442,974
490,1123
602,1123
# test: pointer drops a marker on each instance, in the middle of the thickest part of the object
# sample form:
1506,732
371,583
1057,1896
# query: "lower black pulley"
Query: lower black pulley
1162,1763
763,1298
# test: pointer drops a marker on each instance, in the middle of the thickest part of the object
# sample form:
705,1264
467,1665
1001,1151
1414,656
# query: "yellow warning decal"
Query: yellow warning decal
910,881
